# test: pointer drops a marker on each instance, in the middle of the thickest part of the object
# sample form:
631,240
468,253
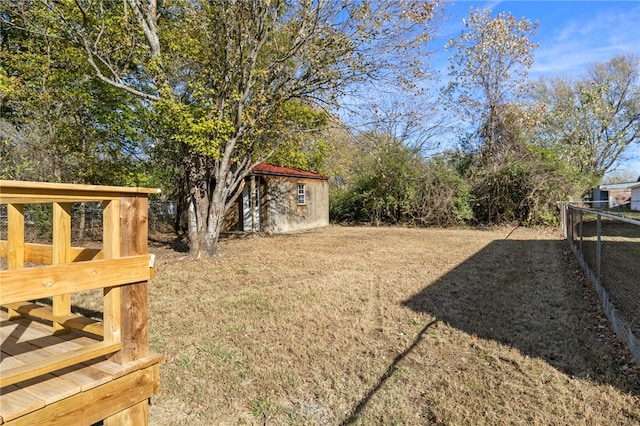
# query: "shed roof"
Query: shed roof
273,170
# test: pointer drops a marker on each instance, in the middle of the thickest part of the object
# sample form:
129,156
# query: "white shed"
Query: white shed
635,197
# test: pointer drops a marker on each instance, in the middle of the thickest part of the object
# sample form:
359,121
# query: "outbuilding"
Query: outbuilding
277,199
615,195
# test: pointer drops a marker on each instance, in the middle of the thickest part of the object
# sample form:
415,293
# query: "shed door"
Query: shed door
251,205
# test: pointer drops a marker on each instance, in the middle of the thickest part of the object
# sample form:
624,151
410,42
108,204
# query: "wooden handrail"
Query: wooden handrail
19,192
121,267
17,285
43,253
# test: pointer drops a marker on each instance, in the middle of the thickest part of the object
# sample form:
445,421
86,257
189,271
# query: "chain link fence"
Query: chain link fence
86,221
608,247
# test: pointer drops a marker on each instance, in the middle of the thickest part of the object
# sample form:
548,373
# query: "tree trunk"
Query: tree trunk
198,183
181,205
206,204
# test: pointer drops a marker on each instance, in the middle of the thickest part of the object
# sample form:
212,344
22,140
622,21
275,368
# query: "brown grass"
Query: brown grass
386,326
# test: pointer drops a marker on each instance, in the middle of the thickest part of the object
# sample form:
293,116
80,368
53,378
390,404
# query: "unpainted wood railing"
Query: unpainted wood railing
122,268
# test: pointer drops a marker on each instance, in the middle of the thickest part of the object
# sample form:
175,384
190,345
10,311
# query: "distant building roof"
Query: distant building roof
273,170
614,186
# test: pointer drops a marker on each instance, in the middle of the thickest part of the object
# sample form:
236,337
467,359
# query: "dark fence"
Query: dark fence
608,247
86,221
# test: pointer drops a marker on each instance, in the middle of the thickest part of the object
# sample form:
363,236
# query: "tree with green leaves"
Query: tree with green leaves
218,73
590,121
301,132
56,124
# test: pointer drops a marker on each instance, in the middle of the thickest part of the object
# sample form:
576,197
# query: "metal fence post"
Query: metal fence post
571,225
599,249
581,229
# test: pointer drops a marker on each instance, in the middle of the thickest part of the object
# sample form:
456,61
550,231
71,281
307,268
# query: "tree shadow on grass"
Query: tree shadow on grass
386,375
530,295
177,243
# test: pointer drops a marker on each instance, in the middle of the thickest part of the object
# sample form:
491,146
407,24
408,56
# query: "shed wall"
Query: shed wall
282,213
635,199
619,197
600,198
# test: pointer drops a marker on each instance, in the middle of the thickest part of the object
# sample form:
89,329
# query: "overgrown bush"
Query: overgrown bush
523,188
398,186
443,197
384,189
513,182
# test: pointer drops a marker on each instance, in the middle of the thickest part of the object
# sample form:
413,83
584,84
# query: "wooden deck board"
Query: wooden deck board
72,320
16,329
49,388
9,362
111,368
16,402
7,327
84,376
23,396
23,341
86,408
23,351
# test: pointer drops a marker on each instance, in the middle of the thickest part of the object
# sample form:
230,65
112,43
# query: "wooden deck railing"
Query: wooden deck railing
121,267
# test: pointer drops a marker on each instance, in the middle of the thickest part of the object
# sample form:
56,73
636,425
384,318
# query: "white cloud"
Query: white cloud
580,43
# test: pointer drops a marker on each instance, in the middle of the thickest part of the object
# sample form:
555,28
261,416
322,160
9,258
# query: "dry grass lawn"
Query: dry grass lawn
386,326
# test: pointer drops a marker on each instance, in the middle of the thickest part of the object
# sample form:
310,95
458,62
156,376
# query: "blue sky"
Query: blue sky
572,35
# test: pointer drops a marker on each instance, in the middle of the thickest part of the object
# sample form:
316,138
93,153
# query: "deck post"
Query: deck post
134,302
61,305
112,295
15,242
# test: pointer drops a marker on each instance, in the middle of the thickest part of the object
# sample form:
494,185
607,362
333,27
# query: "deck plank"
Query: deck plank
96,404
111,368
25,340
43,314
108,367
84,376
23,350
49,388
26,328
17,350
16,402
7,362
9,328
